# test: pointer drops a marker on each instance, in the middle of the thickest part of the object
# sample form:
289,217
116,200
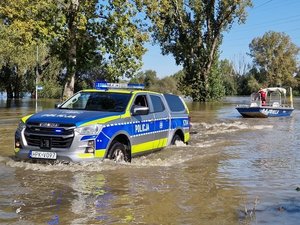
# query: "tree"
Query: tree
148,78
228,76
252,85
240,64
153,83
296,91
100,33
22,30
50,80
166,85
192,32
17,61
275,57
216,82
138,78
92,39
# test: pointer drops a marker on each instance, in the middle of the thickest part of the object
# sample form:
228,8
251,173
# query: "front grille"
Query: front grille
60,136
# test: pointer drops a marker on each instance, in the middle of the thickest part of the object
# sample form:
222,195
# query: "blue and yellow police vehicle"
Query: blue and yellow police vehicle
114,121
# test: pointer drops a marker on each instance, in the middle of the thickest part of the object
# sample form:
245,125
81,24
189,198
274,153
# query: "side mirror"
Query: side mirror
57,105
140,110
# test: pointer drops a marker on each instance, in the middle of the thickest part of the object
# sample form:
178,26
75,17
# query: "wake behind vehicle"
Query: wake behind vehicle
114,121
268,102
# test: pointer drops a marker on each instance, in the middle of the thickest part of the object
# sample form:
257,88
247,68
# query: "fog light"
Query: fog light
17,144
89,150
91,143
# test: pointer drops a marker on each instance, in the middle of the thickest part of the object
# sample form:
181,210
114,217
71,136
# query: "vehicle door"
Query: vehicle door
142,136
161,121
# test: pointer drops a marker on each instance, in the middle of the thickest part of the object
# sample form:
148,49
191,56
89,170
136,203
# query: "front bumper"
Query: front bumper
77,152
24,154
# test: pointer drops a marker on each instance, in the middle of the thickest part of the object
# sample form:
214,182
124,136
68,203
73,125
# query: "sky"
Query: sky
264,16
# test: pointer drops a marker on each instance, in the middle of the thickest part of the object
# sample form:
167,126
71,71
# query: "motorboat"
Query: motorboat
268,102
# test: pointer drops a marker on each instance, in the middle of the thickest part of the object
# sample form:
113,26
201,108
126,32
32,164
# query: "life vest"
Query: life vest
263,96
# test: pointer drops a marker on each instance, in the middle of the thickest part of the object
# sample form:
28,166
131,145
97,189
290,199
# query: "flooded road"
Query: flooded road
234,171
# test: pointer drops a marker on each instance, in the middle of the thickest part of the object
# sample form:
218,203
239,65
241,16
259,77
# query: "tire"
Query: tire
118,152
175,138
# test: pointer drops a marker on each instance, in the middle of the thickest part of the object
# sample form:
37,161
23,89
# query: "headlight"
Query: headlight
89,130
21,126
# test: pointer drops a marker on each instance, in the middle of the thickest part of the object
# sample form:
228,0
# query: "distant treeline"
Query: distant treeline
65,46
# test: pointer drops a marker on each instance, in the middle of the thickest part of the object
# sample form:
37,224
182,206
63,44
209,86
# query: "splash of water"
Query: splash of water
2,159
220,128
171,156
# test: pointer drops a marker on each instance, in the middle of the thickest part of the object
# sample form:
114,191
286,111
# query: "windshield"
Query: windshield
98,101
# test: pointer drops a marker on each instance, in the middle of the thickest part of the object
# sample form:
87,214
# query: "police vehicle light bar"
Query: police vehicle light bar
104,86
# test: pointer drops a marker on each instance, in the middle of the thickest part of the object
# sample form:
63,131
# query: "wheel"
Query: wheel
118,152
175,138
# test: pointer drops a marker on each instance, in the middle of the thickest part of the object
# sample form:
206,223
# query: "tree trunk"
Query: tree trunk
71,69
9,91
71,56
205,81
6,70
69,87
17,85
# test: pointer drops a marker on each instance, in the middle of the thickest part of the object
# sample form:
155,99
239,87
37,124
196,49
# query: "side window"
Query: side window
157,103
174,102
141,100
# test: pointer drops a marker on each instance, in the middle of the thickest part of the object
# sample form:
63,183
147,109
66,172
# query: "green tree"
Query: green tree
165,85
92,39
229,77
252,84
22,30
50,81
192,32
148,78
106,33
16,62
153,83
138,78
181,85
216,82
275,57
75,44
249,82
296,90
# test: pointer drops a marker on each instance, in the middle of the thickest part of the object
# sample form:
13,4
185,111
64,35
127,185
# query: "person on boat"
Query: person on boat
263,96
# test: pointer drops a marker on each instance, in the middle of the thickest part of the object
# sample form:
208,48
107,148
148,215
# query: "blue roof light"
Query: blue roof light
102,85
136,86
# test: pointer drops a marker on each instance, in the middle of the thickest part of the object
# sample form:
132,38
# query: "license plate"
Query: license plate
43,155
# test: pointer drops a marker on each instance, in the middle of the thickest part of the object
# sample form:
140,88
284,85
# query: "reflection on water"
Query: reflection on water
234,171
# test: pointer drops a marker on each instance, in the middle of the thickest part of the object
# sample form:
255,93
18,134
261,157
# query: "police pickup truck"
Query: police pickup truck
114,121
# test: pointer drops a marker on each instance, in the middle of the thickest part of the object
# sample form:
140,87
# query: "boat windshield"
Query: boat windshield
98,101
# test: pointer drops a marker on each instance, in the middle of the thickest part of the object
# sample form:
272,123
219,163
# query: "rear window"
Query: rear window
158,105
174,102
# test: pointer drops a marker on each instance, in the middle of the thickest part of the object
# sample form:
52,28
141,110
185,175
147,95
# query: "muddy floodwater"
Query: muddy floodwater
234,171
